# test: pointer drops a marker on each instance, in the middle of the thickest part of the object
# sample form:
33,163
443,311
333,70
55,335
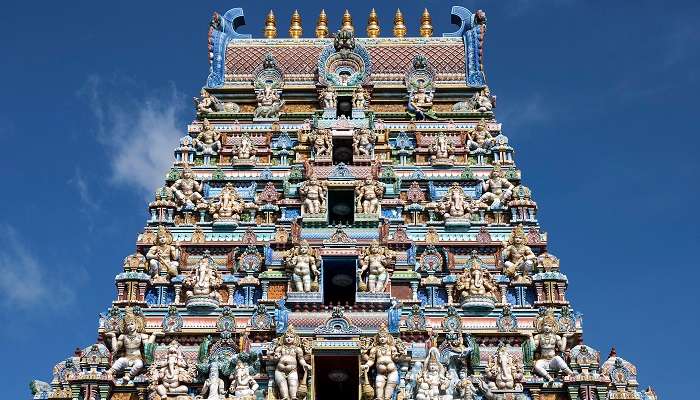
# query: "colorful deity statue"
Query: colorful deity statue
360,98
204,280
170,375
456,204
163,257
288,356
228,204
246,150
476,282
384,354
188,192
132,343
214,387
466,390
375,261
549,344
480,137
503,371
441,149
304,262
368,196
321,142
328,98
363,141
483,101
313,196
497,189
433,383
206,103
269,102
518,258
208,141
420,101
455,354
243,385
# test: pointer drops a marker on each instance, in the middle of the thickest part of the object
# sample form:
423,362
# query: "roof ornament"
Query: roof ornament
426,27
347,22
322,25
373,24
295,30
270,31
399,27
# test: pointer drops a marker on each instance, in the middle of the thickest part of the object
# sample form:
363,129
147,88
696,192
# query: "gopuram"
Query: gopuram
344,219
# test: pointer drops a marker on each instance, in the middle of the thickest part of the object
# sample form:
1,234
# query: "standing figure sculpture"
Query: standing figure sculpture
246,150
375,259
313,196
208,141
328,98
288,355
243,385
368,196
170,375
363,141
304,263
163,257
455,354
441,149
187,190
214,387
497,189
321,143
228,204
132,342
433,383
548,341
204,280
503,372
518,258
383,355
360,98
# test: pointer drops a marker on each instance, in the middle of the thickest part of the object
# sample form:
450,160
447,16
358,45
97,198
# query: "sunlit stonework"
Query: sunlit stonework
344,220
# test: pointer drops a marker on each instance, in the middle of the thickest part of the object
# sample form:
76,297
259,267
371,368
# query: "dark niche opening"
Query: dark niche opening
341,207
336,377
344,107
339,280
342,150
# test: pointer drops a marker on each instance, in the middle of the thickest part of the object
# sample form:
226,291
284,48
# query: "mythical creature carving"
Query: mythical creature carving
170,376
503,371
269,102
246,150
441,149
304,262
518,258
368,196
130,341
243,385
163,257
374,262
384,353
288,355
313,196
476,282
456,205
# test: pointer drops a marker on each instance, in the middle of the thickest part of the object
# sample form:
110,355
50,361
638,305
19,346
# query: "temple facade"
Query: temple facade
344,219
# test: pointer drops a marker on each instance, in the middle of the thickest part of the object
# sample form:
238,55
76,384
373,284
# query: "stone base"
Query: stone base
508,395
227,222
366,220
369,297
247,163
457,222
442,162
202,302
314,220
478,303
304,297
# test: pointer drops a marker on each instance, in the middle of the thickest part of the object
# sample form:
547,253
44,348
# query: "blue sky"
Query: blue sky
598,98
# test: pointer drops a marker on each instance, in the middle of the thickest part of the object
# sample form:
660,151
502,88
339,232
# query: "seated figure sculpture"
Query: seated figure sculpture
246,150
132,343
321,143
497,190
206,103
269,102
227,205
304,262
368,196
503,372
208,141
171,374
441,150
203,282
480,137
375,261
288,356
163,257
363,141
518,258
384,354
243,386
187,190
475,286
420,102
432,382
313,196
456,205
548,341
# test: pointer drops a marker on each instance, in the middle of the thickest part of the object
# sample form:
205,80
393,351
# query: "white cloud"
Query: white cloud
81,185
23,280
524,111
139,132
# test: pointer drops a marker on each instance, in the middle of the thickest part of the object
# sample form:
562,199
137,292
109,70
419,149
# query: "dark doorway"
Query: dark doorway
341,207
344,107
342,151
337,377
339,280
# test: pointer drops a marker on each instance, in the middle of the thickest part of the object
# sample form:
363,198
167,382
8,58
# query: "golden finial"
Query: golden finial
426,27
322,25
295,25
399,27
347,22
270,31
373,24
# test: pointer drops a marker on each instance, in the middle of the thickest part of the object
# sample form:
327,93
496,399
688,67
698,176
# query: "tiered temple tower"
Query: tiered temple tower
344,219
